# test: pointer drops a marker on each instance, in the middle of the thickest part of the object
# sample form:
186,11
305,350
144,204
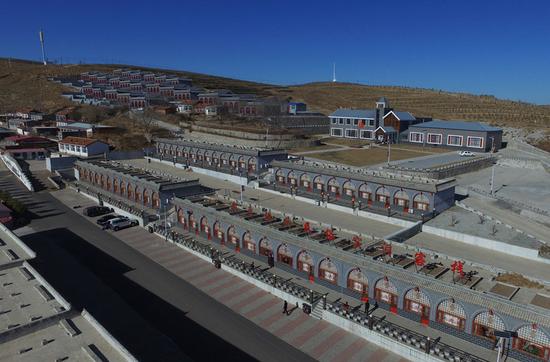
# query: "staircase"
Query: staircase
317,311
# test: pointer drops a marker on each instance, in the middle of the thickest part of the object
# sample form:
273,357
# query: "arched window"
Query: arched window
248,243
416,301
318,184
115,186
242,162
280,177
386,292
486,323
109,183
401,199
252,165
305,182
333,187
232,236
146,199
137,194
383,196
328,271
365,193
358,282
421,202
181,217
156,200
130,191
193,224
218,232
265,248
284,255
122,188
349,189
451,314
204,226
533,341
292,179
305,263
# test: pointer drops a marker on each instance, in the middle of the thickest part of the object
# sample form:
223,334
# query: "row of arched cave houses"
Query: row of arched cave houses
482,322
120,186
353,190
211,157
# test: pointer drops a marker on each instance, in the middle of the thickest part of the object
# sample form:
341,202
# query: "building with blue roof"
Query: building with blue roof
381,124
462,135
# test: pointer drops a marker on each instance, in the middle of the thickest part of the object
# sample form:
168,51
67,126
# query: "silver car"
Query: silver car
122,223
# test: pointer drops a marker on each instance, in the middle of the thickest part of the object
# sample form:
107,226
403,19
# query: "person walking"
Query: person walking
285,307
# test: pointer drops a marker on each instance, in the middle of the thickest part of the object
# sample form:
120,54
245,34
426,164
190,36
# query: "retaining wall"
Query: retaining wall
495,245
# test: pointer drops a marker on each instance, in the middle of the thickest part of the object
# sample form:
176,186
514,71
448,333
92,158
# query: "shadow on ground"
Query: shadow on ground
150,328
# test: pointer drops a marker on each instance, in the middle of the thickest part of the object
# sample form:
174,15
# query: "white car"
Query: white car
466,153
121,223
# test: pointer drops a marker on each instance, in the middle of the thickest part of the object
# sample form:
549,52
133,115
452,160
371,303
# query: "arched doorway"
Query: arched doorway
486,323
533,342
115,186
349,189
218,232
401,199
265,248
284,254
305,182
137,194
383,196
451,314
386,292
358,282
365,193
328,271
205,228
417,302
333,187
193,225
421,202
292,181
181,217
318,184
146,199
305,263
248,243
130,190
109,183
156,200
252,165
232,236
122,188
280,177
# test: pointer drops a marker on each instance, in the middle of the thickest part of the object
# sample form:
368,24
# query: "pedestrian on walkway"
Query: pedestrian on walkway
285,307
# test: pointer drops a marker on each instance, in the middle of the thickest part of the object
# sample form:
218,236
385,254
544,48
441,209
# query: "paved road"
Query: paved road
157,315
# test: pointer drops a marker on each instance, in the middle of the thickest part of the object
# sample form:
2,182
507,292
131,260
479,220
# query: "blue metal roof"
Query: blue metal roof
460,125
354,113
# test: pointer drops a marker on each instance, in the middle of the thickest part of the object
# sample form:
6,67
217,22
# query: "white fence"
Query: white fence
13,166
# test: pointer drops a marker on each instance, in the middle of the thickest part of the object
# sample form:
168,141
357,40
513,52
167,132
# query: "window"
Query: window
337,132
351,133
340,121
348,121
334,120
366,134
476,142
416,137
434,138
453,140
355,122
371,122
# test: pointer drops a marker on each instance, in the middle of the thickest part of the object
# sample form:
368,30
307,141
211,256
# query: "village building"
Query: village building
82,147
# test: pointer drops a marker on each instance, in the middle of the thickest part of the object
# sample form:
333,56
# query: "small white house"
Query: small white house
185,108
211,110
82,147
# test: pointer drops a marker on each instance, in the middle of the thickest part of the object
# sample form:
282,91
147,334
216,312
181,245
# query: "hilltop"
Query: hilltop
25,84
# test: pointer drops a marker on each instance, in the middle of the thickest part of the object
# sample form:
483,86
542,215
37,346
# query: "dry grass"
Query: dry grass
518,280
365,157
345,141
312,148
326,97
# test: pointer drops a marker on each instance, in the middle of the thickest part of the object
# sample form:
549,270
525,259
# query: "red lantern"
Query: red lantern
329,235
307,227
357,241
420,258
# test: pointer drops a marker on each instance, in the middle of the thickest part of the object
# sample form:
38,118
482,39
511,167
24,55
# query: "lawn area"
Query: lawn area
312,148
345,141
367,157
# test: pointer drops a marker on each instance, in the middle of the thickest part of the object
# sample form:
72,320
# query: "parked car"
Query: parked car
105,219
109,224
122,223
97,210
466,153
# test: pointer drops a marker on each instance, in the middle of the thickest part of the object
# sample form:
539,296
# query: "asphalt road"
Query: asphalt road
156,315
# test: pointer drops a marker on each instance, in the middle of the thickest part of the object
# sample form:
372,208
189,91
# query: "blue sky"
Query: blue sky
483,47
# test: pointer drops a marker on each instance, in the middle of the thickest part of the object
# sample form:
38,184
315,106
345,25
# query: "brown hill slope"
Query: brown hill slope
327,97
